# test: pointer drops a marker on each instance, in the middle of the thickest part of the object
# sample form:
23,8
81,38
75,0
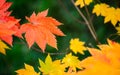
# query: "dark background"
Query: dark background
74,27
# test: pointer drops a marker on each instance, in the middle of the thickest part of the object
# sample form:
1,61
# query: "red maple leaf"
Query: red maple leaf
4,7
41,29
8,24
8,29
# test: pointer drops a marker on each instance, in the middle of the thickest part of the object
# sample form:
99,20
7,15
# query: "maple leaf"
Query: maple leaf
93,65
96,67
51,67
4,31
3,46
29,70
4,7
106,58
81,2
40,29
77,46
12,28
100,9
8,23
71,61
112,52
111,16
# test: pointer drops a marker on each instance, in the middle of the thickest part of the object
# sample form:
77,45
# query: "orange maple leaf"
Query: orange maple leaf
40,29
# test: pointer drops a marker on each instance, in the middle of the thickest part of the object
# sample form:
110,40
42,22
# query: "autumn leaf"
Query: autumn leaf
82,4
99,55
41,29
100,9
113,15
51,67
77,46
8,23
96,67
4,7
71,61
3,46
106,57
12,28
93,66
29,70
112,52
4,31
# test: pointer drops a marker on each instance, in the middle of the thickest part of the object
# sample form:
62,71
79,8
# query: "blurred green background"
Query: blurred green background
74,27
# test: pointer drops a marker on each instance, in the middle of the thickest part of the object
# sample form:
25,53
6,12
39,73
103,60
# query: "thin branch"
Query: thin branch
90,22
87,22
57,53
82,15
39,50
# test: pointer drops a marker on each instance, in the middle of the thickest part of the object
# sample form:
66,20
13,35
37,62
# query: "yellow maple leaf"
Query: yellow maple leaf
71,61
3,46
51,67
29,70
81,2
100,9
111,16
77,46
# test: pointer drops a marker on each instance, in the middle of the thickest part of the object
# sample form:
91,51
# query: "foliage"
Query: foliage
51,68
103,8
77,46
39,31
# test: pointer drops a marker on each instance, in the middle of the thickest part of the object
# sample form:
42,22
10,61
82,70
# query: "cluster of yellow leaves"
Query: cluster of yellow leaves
110,13
103,61
82,3
50,67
